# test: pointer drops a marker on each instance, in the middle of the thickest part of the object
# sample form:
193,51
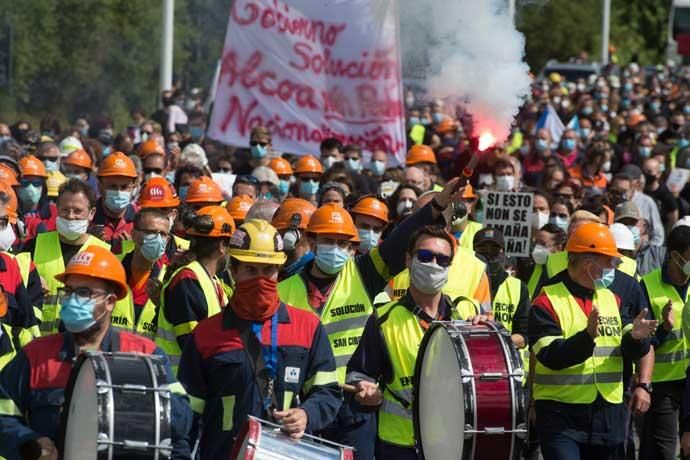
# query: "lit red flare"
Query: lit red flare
486,140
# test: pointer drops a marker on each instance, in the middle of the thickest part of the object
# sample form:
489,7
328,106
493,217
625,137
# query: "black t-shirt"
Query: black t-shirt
665,200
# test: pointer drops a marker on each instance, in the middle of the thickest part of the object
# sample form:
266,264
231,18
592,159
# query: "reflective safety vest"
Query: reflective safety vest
464,276
48,261
602,373
344,314
17,337
555,263
166,334
147,324
417,133
467,238
671,357
628,266
402,335
504,306
534,279
24,261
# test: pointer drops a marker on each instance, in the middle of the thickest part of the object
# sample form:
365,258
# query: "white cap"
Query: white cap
69,145
683,221
623,236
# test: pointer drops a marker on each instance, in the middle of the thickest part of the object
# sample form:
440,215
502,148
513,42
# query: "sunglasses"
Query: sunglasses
153,171
36,182
247,180
425,256
255,143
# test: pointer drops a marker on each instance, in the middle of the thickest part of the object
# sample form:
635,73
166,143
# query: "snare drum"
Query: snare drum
262,440
468,394
117,406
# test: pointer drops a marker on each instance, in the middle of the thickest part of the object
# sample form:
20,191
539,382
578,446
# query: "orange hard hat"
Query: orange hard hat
239,206
446,125
148,147
79,158
204,190
210,221
468,193
158,193
420,154
371,206
97,262
7,175
308,164
12,204
333,219
635,119
282,219
592,238
117,164
280,166
29,165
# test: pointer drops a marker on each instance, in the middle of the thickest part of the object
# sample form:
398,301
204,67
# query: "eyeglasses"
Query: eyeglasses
562,216
225,170
247,180
425,256
82,292
255,143
146,231
36,182
153,171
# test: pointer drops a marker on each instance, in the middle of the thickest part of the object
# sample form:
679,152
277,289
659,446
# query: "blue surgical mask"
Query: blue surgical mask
152,247
625,103
170,176
636,234
686,109
298,265
655,106
585,132
607,277
117,200
561,222
377,167
353,164
51,166
330,258
182,193
30,195
413,121
108,150
195,132
587,111
283,187
258,151
541,145
645,151
683,142
569,144
524,149
77,313
308,188
370,239
627,87
437,117
604,108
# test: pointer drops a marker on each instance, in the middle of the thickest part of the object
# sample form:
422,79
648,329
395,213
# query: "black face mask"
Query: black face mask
167,101
650,179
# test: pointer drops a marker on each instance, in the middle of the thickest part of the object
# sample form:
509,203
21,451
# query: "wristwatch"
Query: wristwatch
645,386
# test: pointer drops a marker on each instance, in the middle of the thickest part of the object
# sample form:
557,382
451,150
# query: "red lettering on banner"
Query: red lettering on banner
379,66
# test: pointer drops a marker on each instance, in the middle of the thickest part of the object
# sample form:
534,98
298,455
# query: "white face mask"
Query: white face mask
539,219
7,238
404,206
540,254
429,278
606,167
71,229
328,162
505,183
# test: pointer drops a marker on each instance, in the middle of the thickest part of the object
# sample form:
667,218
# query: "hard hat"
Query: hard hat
420,154
308,164
333,219
69,145
79,158
54,181
555,77
97,262
280,166
256,241
210,221
446,125
635,119
239,206
148,147
592,238
371,206
683,221
623,236
12,204
117,164
468,193
7,175
282,220
29,165
204,190
158,193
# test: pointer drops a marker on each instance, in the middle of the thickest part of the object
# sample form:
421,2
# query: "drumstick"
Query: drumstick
348,388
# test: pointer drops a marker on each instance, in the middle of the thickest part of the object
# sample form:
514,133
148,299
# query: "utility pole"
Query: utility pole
511,10
605,30
168,17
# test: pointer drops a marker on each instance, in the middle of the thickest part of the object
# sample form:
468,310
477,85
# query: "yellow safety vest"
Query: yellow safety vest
24,261
343,316
602,373
402,335
48,261
671,357
166,334
129,246
467,238
506,302
534,279
628,266
417,134
145,324
14,334
555,263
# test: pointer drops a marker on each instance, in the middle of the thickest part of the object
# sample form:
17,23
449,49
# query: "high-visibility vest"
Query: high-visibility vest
24,262
417,134
129,246
467,238
402,335
504,306
534,279
344,314
602,373
628,266
671,357
146,325
555,263
166,334
48,261
464,276
17,337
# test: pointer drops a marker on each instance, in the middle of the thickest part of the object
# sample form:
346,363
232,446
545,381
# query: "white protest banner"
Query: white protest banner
511,213
677,179
310,70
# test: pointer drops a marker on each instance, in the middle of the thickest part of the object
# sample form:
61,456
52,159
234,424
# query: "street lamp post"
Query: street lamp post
605,30
168,9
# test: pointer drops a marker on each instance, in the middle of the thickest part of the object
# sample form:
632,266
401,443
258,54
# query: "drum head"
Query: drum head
81,431
439,415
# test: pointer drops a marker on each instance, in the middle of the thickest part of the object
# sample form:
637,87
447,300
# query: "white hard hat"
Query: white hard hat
194,154
623,236
684,221
69,145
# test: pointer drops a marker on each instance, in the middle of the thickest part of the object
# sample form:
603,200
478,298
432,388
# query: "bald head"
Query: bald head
415,176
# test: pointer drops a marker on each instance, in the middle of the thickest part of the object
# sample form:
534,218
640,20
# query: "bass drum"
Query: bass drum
469,400
117,406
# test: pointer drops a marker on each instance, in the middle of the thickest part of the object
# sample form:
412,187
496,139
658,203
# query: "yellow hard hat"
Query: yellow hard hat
257,241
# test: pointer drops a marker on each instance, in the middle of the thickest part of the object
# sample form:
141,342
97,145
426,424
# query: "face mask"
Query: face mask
685,266
258,151
585,132
183,192
524,149
561,222
117,200
645,151
428,278
370,239
4,139
627,87
604,108
108,150
505,183
413,121
255,299
540,254
283,186
682,143
636,234
71,229
437,118
655,106
569,144
686,109
486,179
7,238
404,206
425,122
51,166
328,162
30,195
352,164
606,167
308,188
541,145
587,111
330,258
195,132
77,313
662,167
377,167
152,247
539,219
607,276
